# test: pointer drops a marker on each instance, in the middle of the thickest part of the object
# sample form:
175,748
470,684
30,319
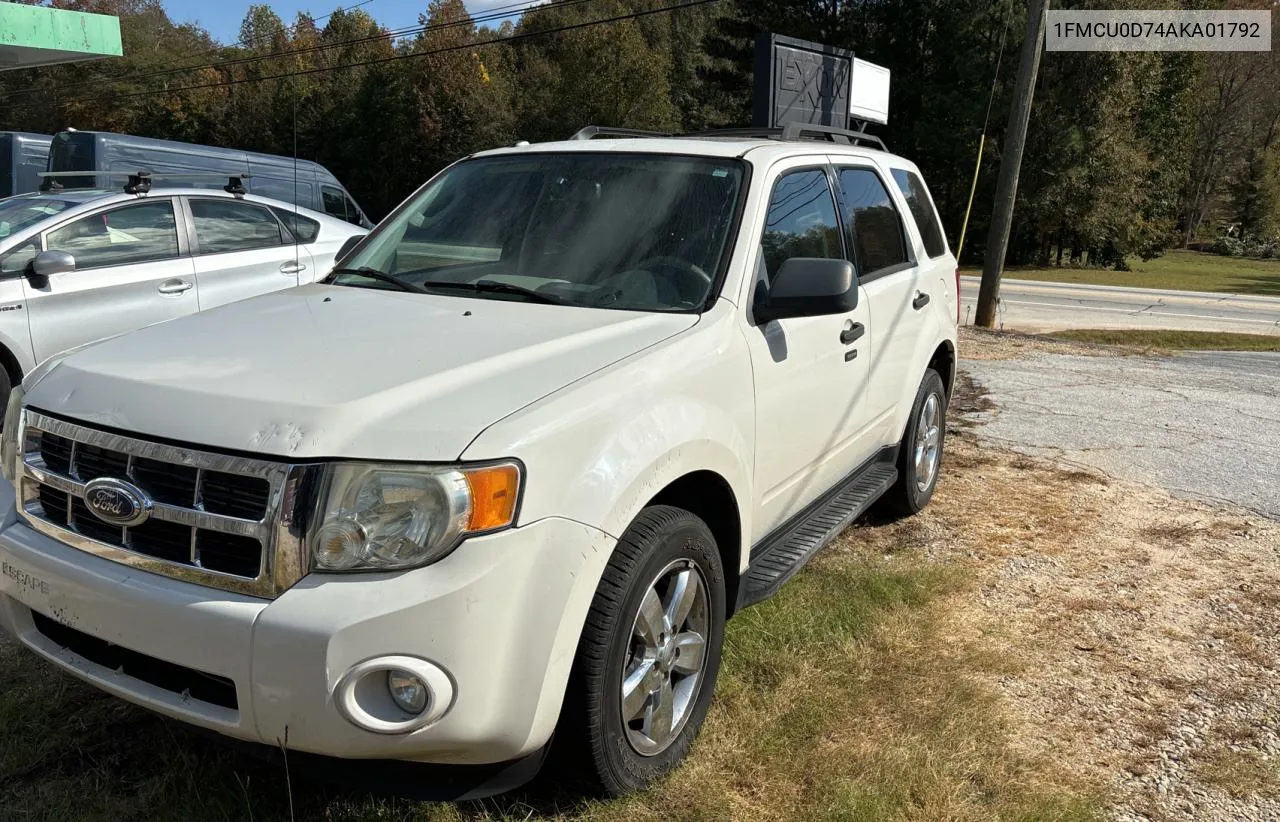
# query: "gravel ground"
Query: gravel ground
1145,625
1202,425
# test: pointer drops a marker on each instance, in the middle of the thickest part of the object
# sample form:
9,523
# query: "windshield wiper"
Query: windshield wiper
382,276
496,287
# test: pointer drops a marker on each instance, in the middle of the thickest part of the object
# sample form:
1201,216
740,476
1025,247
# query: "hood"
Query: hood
329,371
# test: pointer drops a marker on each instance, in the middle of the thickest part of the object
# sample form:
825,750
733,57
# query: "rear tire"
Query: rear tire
920,452
650,652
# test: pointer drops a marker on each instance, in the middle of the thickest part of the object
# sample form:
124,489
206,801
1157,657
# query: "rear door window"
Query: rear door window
137,233
234,225
921,206
878,240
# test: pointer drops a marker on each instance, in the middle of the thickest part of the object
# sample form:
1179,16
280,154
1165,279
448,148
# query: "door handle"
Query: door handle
292,268
175,286
921,300
852,333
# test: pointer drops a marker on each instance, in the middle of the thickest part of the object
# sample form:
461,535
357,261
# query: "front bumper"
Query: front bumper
501,615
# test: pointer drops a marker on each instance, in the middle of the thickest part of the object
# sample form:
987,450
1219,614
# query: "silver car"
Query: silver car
80,265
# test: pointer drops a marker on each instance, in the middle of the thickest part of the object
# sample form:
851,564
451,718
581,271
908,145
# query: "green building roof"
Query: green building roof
41,36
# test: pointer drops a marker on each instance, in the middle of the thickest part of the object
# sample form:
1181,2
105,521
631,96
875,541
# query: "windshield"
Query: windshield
642,232
16,213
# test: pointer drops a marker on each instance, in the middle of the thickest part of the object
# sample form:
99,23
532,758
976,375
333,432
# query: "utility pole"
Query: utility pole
1015,139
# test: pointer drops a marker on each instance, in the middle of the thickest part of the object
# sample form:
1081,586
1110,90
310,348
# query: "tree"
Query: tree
463,101
617,74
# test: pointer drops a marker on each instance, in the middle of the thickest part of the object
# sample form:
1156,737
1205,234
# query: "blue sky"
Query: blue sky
221,18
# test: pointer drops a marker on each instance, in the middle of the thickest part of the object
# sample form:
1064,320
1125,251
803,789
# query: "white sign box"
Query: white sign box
869,92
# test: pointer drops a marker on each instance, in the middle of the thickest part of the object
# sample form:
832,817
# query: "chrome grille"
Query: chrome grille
224,521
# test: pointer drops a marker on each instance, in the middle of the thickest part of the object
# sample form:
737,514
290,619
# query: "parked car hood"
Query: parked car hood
328,371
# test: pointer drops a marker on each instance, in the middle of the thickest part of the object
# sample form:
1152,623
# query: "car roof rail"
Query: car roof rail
139,182
743,131
801,131
592,132
789,132
797,131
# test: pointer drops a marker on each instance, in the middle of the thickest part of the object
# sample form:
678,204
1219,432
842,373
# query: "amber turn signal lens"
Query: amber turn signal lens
494,491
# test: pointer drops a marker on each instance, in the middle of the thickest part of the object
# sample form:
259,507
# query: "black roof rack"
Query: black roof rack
789,132
592,132
798,131
761,132
139,182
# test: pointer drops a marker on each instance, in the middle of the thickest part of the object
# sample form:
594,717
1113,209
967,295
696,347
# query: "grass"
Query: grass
1240,773
1160,340
1176,269
844,697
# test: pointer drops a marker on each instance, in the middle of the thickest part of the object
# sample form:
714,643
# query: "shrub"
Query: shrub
1227,246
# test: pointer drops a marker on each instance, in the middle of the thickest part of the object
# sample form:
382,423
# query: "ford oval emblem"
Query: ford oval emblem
117,502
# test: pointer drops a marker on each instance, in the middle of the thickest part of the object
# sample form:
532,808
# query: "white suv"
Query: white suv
568,409
80,265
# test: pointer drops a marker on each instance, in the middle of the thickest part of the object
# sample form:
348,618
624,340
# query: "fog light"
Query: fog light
409,692
394,694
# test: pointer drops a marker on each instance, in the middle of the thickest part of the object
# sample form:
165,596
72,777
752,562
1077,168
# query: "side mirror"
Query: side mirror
808,287
48,263
347,245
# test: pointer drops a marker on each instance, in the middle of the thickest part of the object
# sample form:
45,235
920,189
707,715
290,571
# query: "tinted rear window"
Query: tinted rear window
304,228
921,206
878,240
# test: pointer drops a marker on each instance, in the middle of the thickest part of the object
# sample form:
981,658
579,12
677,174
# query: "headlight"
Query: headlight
9,450
391,517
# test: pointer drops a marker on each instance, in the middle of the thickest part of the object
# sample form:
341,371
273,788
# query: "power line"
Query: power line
489,16
123,77
231,81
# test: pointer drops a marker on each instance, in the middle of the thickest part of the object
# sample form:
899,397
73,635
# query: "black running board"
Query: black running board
777,558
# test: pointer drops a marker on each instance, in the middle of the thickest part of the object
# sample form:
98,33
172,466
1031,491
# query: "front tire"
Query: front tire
647,661
920,452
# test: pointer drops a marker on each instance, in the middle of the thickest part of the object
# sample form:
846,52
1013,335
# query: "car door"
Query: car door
131,270
810,372
241,250
15,326
890,276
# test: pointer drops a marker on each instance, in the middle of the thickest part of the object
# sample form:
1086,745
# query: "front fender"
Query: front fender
15,325
597,451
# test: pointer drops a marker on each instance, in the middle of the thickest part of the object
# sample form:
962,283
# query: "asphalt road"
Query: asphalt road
1203,425
1036,307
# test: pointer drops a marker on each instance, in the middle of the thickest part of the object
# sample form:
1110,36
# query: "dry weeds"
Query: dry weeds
985,344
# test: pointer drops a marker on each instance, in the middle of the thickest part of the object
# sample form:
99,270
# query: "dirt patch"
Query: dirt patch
984,344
